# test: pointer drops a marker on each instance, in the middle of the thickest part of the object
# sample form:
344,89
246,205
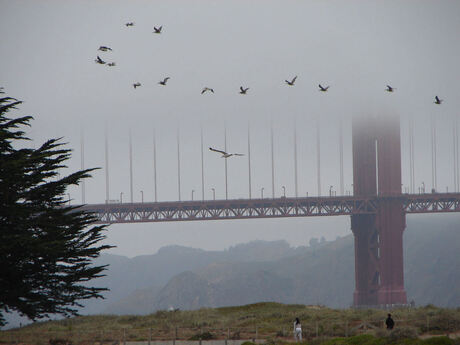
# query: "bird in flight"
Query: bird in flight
135,85
437,100
323,89
291,83
243,90
164,81
104,48
99,60
390,89
157,30
111,64
226,154
207,89
129,24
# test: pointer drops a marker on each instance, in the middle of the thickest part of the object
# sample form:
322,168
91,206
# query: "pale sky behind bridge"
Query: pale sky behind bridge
47,58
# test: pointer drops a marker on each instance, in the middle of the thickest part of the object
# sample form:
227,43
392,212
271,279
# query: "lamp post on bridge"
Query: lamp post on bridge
121,197
142,196
423,187
213,193
330,190
262,192
284,191
193,191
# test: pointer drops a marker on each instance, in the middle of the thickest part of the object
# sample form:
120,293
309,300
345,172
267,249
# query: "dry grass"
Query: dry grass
261,320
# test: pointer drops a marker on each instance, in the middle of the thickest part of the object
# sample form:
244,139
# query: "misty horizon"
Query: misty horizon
356,47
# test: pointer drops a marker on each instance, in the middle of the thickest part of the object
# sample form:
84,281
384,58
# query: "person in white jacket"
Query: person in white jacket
297,330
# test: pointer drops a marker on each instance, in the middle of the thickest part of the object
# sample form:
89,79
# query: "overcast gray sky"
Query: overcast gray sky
47,60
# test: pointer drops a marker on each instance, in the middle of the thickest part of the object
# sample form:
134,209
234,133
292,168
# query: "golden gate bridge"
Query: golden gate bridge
377,208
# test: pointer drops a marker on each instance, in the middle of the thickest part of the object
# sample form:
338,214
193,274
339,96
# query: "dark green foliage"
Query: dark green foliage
46,246
202,336
363,339
438,341
401,333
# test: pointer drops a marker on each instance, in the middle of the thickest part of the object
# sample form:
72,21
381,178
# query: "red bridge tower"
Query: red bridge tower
379,274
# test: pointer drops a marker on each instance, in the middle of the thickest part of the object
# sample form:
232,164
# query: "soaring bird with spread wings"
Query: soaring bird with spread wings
99,61
243,90
437,100
164,81
323,89
226,154
291,82
104,48
390,88
207,89
157,30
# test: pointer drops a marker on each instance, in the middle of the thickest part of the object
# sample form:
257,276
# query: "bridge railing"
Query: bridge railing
267,208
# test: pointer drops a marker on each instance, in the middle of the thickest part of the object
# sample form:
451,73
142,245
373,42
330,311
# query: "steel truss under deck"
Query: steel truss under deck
267,208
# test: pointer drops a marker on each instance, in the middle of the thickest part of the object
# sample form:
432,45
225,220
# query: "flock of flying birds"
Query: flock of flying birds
242,90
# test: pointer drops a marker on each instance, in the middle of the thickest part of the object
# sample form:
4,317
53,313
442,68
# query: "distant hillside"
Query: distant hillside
322,274
130,279
432,260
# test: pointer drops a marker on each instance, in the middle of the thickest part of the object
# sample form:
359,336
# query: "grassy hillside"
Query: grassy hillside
188,278
270,321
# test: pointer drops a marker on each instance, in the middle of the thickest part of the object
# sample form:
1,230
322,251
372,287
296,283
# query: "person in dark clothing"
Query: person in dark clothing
389,322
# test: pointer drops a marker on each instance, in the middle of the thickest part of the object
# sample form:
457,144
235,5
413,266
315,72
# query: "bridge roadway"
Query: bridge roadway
267,208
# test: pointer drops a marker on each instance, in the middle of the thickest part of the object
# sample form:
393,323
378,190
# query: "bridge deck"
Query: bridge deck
267,208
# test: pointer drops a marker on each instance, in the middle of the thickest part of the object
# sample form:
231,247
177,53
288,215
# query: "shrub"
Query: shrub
202,336
236,335
59,341
401,333
438,341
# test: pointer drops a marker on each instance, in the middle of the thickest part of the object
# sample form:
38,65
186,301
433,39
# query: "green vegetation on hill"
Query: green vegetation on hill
269,321
323,273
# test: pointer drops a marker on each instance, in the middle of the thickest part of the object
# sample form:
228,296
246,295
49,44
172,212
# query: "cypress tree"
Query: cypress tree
46,245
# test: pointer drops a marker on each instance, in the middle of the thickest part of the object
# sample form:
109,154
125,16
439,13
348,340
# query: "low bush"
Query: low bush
438,341
202,336
402,333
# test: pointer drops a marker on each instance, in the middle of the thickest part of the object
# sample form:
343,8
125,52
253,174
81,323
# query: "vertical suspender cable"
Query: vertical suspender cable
377,165
225,149
107,194
178,163
409,128
202,165
432,151
341,156
458,154
295,160
455,157
435,156
411,155
273,160
130,165
249,161
155,166
318,156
